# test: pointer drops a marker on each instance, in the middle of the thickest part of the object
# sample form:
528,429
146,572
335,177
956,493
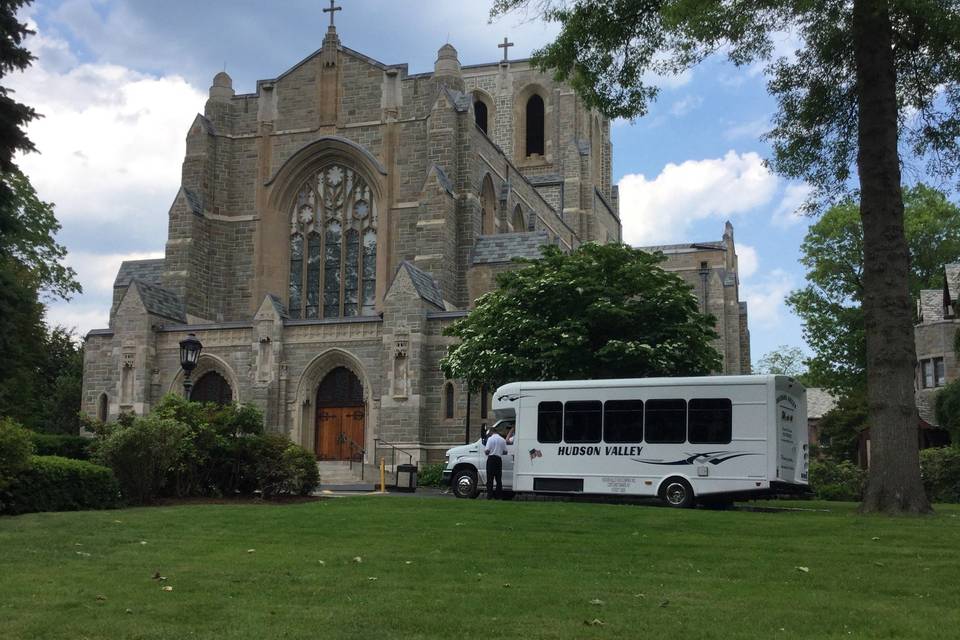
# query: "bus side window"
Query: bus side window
711,421
666,421
549,421
583,421
623,421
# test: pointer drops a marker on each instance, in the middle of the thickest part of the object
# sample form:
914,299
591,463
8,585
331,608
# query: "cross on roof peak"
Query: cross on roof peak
332,10
505,46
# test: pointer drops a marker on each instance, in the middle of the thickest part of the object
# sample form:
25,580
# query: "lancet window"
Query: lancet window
333,246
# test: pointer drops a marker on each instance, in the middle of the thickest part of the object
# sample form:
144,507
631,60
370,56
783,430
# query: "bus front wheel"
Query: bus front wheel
677,493
465,483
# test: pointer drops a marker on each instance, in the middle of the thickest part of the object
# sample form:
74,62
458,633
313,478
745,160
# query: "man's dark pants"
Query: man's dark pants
494,472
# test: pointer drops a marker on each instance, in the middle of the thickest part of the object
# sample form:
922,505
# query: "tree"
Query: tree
830,306
841,426
601,311
867,72
784,361
13,115
947,408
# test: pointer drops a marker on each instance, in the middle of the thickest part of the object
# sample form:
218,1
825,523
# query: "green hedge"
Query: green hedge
15,451
940,469
430,475
52,483
837,480
49,444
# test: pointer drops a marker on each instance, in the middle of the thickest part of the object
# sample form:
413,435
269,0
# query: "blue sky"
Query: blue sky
119,82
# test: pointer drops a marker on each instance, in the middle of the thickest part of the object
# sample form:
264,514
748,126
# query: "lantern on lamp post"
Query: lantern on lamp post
190,348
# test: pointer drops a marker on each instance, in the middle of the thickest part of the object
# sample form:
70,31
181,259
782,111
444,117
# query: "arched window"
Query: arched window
333,246
535,124
518,223
448,400
488,207
212,387
103,407
480,114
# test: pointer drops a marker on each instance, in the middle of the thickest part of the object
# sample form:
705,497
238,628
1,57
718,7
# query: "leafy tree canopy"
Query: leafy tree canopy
609,49
783,361
601,311
841,426
830,306
13,57
947,408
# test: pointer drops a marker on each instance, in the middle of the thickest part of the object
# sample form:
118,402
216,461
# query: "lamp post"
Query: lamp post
190,348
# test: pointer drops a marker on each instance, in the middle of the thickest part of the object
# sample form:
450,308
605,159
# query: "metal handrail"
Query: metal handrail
354,447
394,449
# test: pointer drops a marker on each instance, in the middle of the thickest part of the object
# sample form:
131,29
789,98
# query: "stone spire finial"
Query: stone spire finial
222,87
447,64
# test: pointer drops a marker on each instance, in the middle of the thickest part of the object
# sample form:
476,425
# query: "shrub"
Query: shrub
16,448
946,404
283,467
837,480
49,444
430,475
146,456
940,469
52,483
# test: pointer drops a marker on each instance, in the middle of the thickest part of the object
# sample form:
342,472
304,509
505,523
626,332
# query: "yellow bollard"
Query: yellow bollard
382,471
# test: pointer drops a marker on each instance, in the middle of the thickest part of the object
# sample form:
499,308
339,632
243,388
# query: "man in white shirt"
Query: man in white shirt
496,448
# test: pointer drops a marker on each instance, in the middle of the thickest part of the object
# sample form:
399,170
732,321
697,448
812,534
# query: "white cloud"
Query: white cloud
765,298
747,260
751,130
685,105
110,144
111,140
662,210
789,212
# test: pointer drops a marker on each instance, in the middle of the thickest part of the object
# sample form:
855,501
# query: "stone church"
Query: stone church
330,225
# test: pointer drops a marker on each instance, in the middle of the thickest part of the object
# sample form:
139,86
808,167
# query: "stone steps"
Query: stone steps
338,473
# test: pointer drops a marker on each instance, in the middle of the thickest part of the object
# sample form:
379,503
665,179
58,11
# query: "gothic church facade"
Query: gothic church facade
330,225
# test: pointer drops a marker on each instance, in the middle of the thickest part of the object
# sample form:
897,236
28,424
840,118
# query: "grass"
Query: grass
447,568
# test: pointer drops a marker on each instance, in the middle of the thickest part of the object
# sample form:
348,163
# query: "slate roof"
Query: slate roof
819,402
931,305
503,247
952,273
925,408
461,101
194,200
149,271
278,306
426,286
685,248
160,302
444,179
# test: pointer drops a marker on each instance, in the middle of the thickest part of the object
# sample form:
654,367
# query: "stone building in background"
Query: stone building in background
938,320
330,225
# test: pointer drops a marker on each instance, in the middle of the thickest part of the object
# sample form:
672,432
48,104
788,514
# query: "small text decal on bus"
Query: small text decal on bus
596,450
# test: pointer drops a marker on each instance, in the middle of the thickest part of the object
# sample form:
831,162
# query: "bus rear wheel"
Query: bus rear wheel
465,483
677,493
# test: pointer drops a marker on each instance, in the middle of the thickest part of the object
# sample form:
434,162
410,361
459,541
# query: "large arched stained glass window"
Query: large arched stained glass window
333,246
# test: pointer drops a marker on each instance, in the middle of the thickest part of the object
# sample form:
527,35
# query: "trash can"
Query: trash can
407,477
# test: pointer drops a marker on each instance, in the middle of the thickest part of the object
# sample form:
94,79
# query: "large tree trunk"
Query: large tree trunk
894,484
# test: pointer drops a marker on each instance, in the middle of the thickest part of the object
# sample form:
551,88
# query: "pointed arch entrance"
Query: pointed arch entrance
340,418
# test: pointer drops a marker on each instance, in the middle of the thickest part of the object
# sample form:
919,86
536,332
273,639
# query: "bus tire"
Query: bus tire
464,483
677,493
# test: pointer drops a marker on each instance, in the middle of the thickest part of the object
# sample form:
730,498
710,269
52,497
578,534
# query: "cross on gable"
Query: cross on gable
332,10
505,46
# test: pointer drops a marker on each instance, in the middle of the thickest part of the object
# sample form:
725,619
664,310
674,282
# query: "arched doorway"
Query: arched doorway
340,416
212,387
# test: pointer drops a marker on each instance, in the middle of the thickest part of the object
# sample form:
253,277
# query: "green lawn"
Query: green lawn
444,568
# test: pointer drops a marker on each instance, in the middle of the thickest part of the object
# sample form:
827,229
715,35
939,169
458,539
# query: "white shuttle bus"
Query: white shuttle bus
680,439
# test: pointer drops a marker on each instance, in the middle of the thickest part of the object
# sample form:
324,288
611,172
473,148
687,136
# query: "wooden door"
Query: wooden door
336,427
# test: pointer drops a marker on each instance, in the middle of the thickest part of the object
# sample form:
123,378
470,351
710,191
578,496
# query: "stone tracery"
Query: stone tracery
333,246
